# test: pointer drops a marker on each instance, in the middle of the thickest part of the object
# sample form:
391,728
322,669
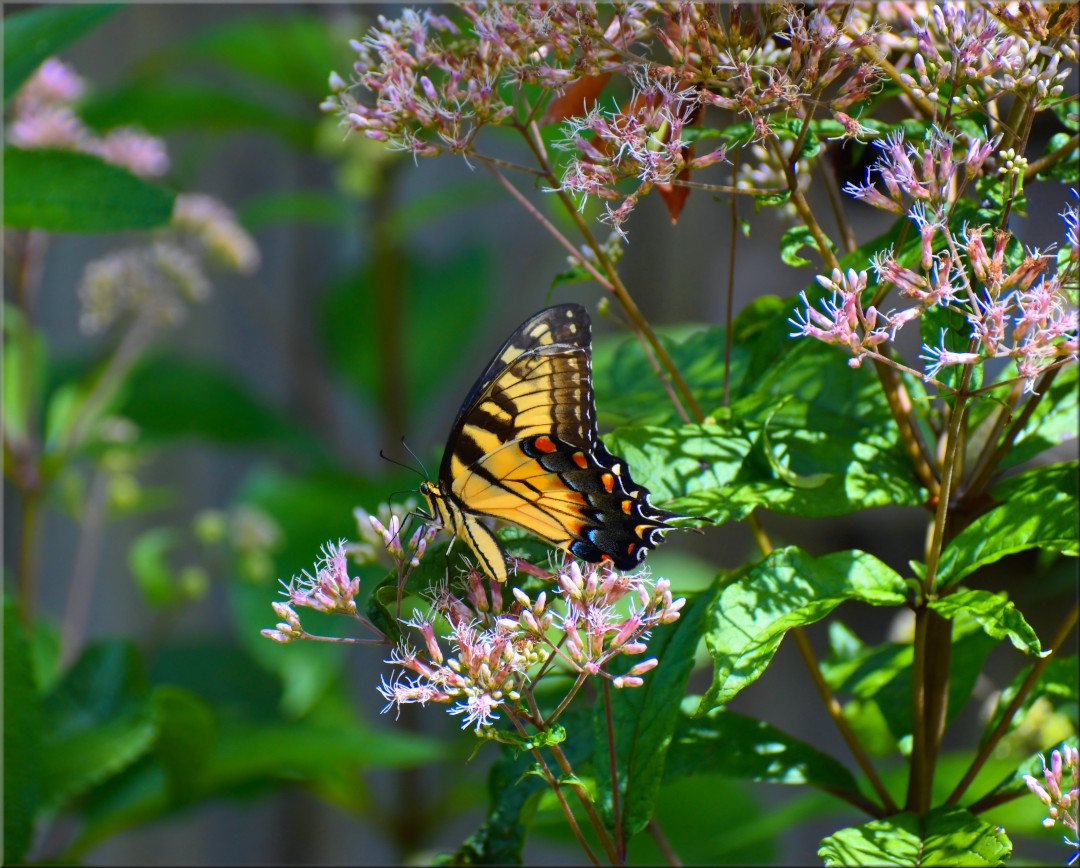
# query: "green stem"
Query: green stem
26,577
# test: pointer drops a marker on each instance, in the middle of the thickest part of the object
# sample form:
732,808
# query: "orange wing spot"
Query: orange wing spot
627,505
643,529
545,444
580,460
607,557
609,482
630,549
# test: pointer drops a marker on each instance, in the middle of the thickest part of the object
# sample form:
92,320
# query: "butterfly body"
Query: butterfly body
524,449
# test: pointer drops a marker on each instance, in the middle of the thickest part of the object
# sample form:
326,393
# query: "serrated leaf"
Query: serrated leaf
30,37
22,740
743,747
69,191
995,613
944,836
747,622
1038,510
1053,422
644,720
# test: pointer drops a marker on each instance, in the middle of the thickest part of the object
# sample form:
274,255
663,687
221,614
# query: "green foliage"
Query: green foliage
644,720
1038,509
995,613
759,604
944,836
31,36
66,191
22,741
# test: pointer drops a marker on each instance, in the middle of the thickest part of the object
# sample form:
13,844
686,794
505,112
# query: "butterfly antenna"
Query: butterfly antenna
413,454
386,457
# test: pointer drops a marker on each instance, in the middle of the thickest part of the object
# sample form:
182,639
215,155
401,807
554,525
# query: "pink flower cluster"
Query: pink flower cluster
44,118
497,653
1055,792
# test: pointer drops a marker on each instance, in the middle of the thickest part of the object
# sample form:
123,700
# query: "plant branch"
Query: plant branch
586,803
836,712
557,789
616,811
663,844
1002,727
80,591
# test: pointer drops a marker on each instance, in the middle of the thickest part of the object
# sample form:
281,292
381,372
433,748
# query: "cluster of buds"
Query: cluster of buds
381,534
842,320
496,653
158,281
1058,791
44,117
926,177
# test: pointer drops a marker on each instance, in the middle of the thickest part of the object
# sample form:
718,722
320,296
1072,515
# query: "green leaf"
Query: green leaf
743,747
944,836
148,562
187,738
163,106
644,720
295,50
1032,765
1038,510
1053,422
98,721
22,740
213,405
1056,686
25,363
32,36
746,623
796,238
1064,167
995,613
879,679
68,191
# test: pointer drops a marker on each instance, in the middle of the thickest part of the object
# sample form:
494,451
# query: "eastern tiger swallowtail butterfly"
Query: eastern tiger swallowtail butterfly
524,449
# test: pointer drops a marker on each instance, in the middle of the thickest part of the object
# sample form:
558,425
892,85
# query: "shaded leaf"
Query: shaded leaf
738,746
747,622
68,191
187,738
25,362
644,720
1057,685
944,836
995,613
97,721
162,106
30,37
316,207
1038,510
211,403
22,740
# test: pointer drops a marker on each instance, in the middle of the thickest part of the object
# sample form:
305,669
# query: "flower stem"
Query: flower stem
616,812
80,591
663,844
557,789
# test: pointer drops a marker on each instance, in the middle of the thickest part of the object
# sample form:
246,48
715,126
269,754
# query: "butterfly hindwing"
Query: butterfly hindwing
524,449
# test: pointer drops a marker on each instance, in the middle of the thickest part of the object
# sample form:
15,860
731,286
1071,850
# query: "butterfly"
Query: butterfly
524,450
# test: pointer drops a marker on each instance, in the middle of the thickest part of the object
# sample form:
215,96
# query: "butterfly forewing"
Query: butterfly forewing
524,449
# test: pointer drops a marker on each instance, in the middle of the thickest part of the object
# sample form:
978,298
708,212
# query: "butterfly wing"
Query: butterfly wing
524,449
